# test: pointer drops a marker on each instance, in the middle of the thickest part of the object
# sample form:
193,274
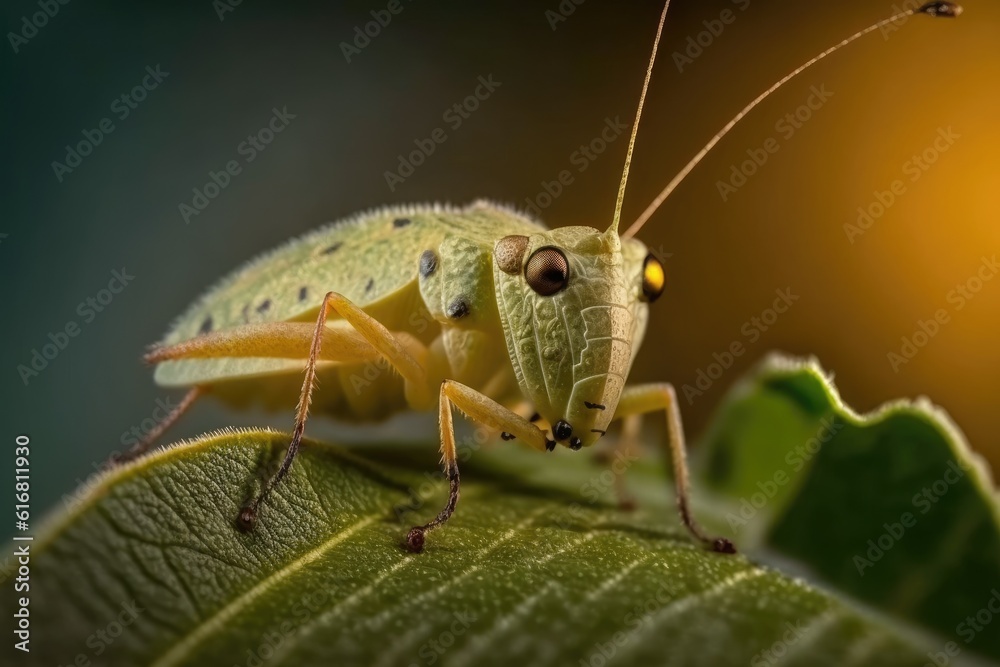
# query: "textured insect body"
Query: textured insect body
405,266
478,308
482,324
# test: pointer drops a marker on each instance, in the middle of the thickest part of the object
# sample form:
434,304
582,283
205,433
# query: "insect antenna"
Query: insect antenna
635,126
946,9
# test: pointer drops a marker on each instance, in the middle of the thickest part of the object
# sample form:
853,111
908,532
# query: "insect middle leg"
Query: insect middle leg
646,398
381,339
619,458
483,410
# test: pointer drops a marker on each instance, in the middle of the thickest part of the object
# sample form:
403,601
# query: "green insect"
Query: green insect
477,308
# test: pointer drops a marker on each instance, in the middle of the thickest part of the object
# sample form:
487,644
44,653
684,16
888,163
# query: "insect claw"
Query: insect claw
628,504
415,540
723,546
550,445
247,519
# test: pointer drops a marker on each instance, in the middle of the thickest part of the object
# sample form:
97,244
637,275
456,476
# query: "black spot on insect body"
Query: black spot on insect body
575,444
370,285
264,306
206,326
401,222
303,293
458,308
428,263
594,406
332,248
507,436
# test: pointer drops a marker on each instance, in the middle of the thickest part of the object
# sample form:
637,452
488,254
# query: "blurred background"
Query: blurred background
907,115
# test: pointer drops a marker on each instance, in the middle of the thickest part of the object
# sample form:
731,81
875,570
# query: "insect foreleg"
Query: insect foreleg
661,396
380,338
483,410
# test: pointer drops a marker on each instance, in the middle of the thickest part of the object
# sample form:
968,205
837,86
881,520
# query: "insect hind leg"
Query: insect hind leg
619,458
645,398
150,439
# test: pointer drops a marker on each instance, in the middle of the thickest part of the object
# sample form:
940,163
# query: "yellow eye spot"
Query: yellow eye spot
654,278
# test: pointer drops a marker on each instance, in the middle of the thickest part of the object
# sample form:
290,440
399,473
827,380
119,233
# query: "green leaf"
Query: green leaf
537,566
891,508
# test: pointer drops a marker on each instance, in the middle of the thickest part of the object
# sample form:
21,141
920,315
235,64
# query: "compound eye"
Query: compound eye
654,279
547,271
